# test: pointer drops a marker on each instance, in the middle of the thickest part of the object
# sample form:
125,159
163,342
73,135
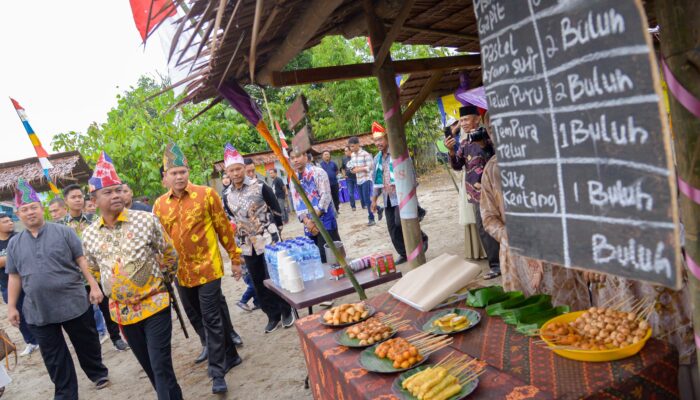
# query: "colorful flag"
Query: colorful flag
449,107
41,153
245,105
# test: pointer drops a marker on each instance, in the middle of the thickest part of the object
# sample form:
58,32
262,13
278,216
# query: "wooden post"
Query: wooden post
679,40
395,127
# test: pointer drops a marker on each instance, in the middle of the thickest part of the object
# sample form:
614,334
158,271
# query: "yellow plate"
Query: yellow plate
593,355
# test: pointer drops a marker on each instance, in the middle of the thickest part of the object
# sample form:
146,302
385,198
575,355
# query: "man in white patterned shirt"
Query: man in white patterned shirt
362,164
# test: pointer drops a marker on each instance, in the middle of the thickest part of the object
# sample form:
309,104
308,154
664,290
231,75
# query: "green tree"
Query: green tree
139,127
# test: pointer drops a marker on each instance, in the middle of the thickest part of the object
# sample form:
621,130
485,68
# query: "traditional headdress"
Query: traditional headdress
173,157
377,130
468,110
25,194
104,175
231,156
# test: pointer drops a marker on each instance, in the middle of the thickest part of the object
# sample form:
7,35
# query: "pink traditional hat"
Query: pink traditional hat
25,194
104,175
231,156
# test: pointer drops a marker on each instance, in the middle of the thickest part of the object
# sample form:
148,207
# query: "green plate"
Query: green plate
371,309
343,339
427,326
406,395
372,363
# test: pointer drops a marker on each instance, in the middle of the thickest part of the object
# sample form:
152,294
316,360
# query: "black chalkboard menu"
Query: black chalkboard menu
581,138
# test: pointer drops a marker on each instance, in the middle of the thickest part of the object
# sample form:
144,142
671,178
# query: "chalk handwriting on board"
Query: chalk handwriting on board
579,134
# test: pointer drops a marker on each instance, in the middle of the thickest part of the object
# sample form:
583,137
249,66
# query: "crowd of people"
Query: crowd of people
113,275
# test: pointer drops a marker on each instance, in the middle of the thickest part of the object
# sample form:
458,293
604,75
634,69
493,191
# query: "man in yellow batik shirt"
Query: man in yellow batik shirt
195,219
134,259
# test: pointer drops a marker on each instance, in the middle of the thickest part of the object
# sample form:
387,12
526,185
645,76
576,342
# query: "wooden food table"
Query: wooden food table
517,368
325,289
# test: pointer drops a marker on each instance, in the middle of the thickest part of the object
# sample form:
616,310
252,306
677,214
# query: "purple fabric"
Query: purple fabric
476,96
241,101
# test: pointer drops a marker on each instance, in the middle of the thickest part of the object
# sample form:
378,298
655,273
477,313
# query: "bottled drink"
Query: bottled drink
271,263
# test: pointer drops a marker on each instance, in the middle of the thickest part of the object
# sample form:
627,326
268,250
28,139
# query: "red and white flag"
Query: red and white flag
164,15
283,140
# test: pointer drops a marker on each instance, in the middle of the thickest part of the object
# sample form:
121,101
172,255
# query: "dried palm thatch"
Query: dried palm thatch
220,40
68,168
245,40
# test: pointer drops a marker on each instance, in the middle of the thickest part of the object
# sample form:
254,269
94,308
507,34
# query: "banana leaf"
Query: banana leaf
514,300
480,297
541,302
531,323
370,362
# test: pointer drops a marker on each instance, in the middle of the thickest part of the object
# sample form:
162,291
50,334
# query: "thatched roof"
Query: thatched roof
226,55
222,39
265,157
68,168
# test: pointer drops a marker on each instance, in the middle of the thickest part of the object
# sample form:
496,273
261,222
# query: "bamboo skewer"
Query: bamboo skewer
610,300
445,360
472,378
418,336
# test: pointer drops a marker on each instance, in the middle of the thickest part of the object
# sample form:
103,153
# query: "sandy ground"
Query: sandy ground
273,366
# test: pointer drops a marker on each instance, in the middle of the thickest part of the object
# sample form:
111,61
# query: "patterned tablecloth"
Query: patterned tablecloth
517,368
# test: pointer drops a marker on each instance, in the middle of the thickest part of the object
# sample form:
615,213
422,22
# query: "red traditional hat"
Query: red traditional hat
377,130
104,175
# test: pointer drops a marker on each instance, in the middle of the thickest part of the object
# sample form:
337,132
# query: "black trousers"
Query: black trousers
491,245
393,224
272,305
150,342
112,326
335,194
206,301
57,359
195,316
320,242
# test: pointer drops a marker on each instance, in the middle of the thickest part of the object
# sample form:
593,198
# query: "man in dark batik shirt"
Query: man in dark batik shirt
472,150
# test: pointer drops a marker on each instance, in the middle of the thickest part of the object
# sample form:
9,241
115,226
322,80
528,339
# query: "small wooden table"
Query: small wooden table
326,289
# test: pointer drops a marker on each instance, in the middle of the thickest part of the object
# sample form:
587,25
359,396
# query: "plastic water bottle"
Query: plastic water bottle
271,262
315,260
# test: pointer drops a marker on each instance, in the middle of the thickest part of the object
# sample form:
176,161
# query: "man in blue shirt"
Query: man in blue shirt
7,230
315,183
46,261
331,169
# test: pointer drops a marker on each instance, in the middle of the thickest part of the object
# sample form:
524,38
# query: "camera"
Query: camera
448,131
478,134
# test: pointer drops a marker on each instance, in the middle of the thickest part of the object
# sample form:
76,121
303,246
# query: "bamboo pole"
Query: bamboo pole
317,220
679,38
396,133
